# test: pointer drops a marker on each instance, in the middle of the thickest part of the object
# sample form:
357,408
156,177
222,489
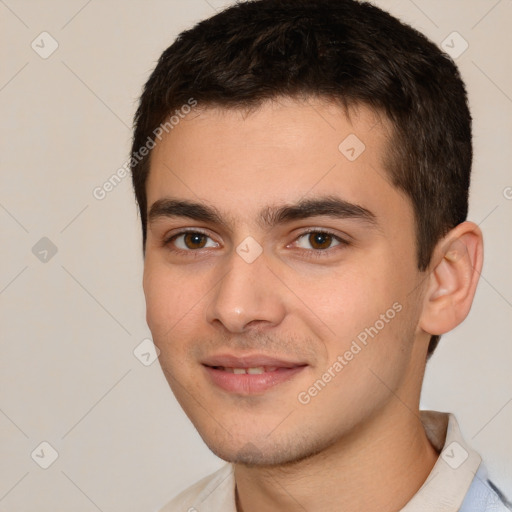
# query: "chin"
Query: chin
266,453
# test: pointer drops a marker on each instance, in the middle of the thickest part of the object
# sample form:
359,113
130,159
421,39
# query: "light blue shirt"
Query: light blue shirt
483,495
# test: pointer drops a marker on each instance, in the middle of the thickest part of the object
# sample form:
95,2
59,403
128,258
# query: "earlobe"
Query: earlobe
456,266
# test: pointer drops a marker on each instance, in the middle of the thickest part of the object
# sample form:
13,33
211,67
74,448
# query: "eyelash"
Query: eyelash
319,253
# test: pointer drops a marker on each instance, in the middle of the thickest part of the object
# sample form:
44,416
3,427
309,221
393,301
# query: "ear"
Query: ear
454,272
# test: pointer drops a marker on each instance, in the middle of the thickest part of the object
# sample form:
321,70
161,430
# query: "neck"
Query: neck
359,472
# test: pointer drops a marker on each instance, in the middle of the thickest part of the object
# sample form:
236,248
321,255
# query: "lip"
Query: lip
249,361
250,384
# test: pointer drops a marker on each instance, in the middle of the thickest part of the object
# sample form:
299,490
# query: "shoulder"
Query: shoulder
484,496
209,493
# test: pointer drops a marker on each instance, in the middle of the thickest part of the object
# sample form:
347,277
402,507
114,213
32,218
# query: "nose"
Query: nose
248,295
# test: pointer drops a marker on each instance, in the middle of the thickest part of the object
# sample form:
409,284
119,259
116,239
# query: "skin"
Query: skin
361,433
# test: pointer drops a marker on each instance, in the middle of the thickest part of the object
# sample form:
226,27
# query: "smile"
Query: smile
251,380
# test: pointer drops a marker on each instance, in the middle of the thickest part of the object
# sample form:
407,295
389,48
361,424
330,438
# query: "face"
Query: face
279,275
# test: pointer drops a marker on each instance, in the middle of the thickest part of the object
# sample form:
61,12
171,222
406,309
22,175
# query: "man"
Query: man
302,171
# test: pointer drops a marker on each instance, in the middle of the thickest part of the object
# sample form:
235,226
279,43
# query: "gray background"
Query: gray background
70,323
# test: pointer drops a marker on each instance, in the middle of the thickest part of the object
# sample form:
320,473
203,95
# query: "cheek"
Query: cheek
368,306
351,299
170,299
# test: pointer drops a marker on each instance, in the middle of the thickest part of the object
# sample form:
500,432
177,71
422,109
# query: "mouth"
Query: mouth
250,375
257,370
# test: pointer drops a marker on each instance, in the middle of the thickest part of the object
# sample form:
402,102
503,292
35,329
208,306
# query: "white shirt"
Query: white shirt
458,481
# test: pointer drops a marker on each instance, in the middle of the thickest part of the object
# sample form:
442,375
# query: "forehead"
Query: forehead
282,152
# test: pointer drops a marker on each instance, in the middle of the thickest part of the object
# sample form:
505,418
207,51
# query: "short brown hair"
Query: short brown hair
346,50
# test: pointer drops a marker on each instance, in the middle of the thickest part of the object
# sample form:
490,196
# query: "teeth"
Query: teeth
258,370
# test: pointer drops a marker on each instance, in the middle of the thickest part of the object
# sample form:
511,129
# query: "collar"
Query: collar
449,481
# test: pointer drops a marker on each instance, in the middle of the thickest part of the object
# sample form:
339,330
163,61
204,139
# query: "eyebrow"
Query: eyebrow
271,216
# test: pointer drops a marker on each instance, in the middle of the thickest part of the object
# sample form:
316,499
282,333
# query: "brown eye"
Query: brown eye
190,241
320,240
194,240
